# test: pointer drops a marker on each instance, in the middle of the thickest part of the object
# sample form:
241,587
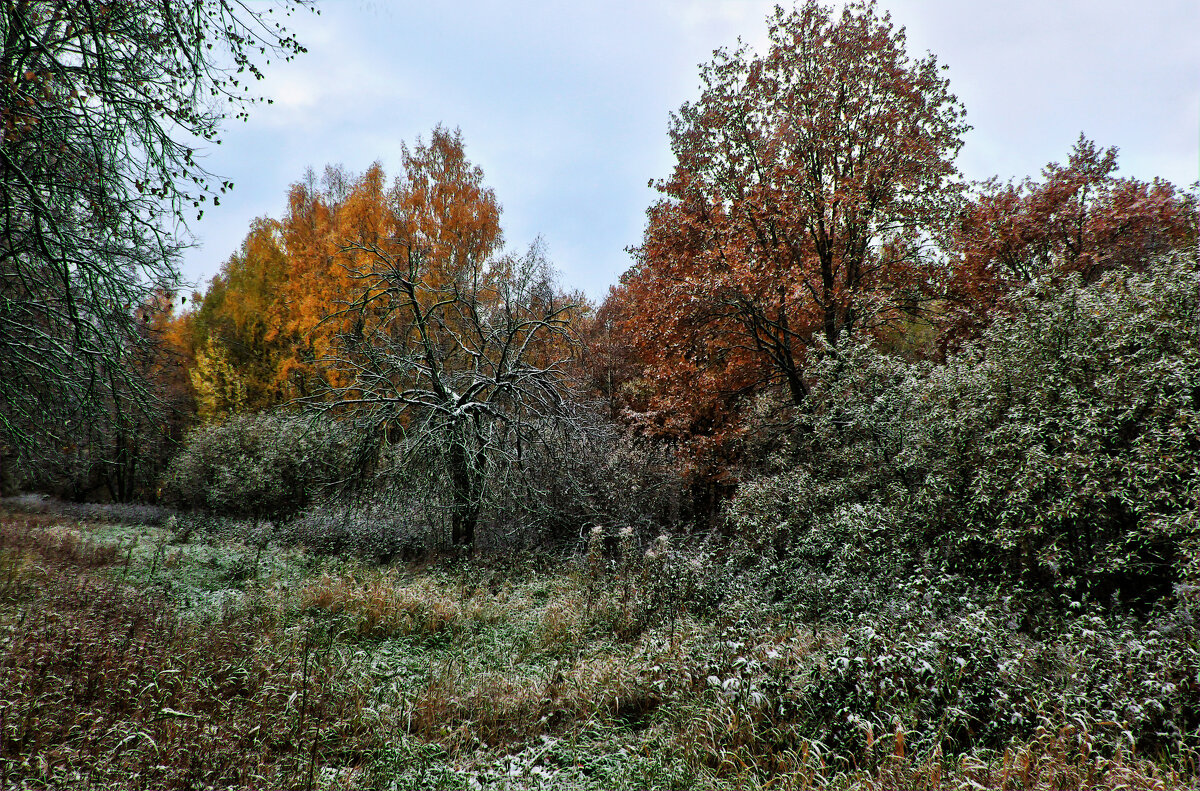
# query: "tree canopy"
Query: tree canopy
103,109
807,180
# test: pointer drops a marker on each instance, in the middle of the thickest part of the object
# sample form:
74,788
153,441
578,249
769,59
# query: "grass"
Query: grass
130,661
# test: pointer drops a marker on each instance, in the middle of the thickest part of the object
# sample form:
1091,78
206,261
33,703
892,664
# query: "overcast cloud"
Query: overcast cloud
565,104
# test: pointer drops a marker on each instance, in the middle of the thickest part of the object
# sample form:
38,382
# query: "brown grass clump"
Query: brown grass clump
1065,758
560,629
1052,761
462,707
494,708
49,538
384,605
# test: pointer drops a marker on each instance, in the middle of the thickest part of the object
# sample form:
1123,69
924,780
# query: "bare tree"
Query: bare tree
103,106
465,371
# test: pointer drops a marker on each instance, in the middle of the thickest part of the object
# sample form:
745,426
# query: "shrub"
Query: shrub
971,680
1079,470
565,479
1061,454
261,466
373,528
598,475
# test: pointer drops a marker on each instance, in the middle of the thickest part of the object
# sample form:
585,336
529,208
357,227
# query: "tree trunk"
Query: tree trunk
465,507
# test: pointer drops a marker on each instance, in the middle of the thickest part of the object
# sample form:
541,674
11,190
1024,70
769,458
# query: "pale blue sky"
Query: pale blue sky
565,104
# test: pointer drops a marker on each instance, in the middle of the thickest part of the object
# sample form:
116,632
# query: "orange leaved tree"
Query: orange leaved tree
807,180
1080,218
446,347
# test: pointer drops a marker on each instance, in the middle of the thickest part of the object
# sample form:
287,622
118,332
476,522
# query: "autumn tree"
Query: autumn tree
240,325
807,179
132,446
1081,217
259,329
609,365
323,217
102,107
136,416
449,348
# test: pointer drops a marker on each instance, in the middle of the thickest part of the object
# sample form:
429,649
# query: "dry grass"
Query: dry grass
1053,761
384,605
105,683
462,709
53,541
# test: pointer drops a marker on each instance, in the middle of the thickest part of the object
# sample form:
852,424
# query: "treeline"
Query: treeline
829,348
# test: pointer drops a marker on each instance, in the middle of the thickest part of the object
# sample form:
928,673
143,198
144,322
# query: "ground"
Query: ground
166,655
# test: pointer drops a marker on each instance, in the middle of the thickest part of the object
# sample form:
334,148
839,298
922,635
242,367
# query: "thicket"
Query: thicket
269,465
336,488
565,482
1056,460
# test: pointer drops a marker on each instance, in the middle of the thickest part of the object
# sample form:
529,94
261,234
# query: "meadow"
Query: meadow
133,658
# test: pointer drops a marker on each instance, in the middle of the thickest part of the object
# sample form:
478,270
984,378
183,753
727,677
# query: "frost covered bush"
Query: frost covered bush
600,476
1081,469
946,671
971,680
1059,457
377,530
260,466
830,530
563,480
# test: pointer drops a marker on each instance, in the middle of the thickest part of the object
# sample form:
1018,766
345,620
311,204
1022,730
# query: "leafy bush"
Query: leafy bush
972,680
1082,469
1061,454
261,466
828,529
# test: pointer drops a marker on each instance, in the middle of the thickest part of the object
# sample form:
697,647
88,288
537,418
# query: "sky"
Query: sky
565,104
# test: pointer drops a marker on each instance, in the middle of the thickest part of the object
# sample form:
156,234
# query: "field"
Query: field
168,655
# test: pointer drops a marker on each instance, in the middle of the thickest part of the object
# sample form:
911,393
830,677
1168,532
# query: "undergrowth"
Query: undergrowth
130,658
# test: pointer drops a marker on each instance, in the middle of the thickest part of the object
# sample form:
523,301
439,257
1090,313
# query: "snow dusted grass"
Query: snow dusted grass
129,659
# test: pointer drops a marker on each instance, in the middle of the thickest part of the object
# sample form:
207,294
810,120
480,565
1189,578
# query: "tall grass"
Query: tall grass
103,685
647,669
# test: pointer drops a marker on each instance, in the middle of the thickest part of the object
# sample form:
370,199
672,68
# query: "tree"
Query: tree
806,181
242,319
321,217
449,348
268,308
218,386
125,441
1080,218
609,365
102,107
454,367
